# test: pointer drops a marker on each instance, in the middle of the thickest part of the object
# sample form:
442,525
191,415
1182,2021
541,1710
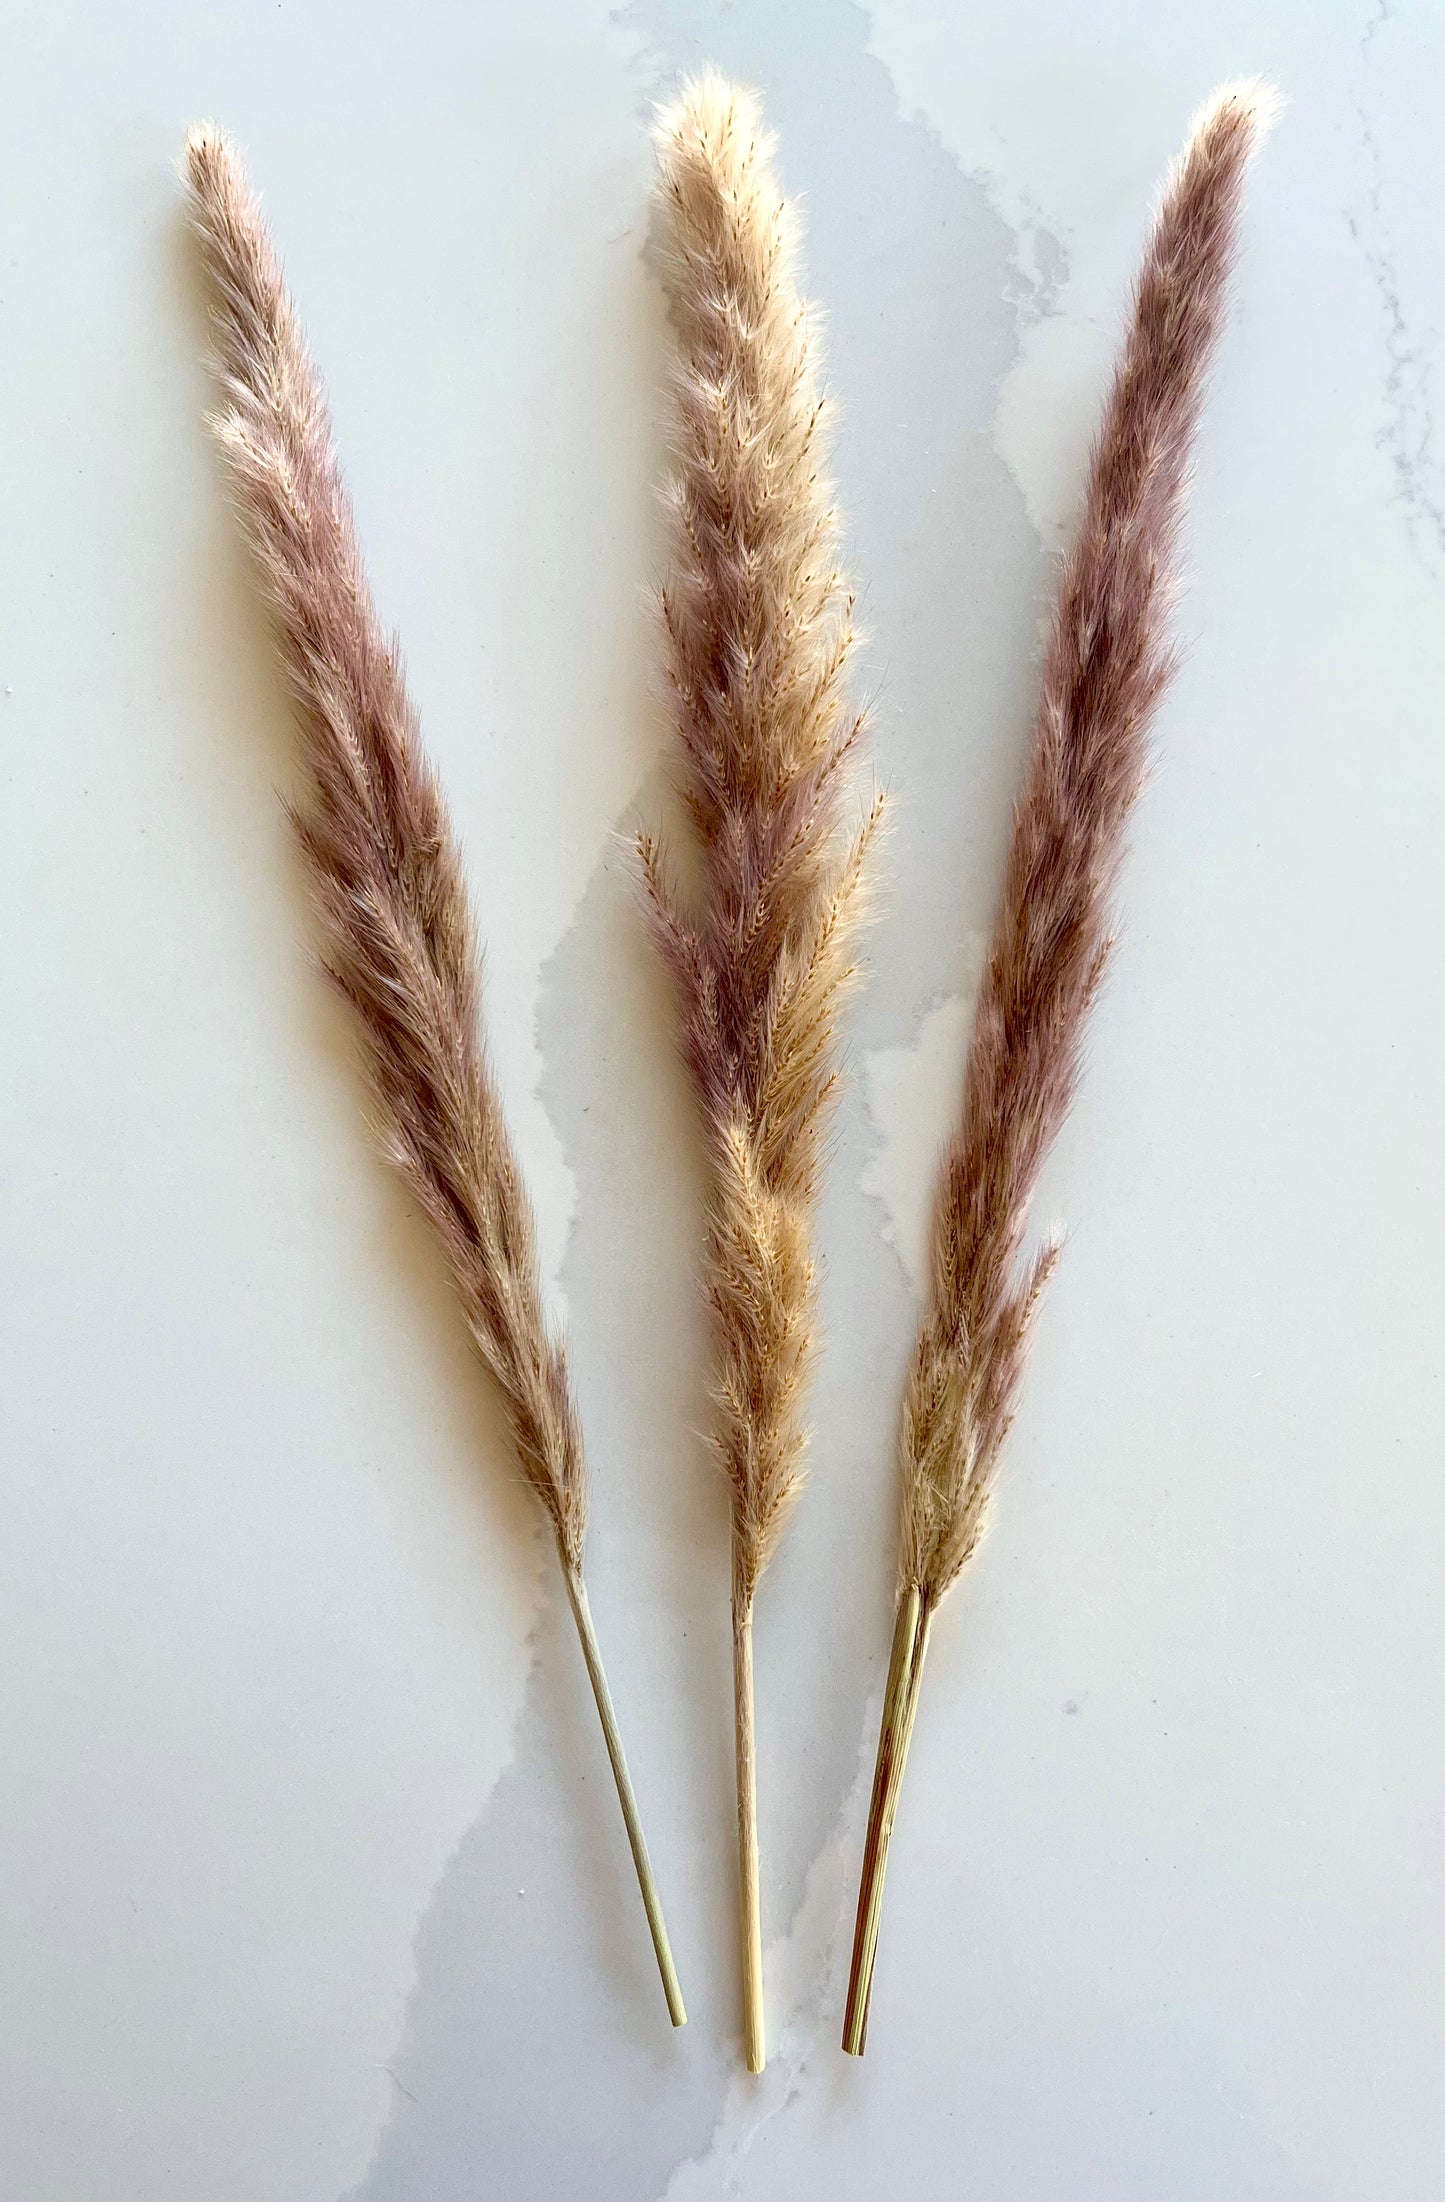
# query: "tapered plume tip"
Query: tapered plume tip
205,141
1256,102
701,101
210,164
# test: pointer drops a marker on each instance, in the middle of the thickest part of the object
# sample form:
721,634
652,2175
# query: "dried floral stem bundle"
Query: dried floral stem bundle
398,935
759,631
1109,659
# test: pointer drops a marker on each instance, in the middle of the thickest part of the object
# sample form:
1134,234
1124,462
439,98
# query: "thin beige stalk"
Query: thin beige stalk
386,875
652,1904
750,1901
1108,662
759,630
900,1708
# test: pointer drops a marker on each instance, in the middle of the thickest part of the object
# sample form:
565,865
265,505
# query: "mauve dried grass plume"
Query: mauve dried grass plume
387,878
759,631
1109,658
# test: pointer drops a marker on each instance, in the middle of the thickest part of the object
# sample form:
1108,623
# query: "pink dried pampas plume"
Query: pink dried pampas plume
387,879
759,631
1109,659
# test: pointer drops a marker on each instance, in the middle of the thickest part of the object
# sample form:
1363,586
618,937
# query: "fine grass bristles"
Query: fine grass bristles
396,930
759,628
1109,658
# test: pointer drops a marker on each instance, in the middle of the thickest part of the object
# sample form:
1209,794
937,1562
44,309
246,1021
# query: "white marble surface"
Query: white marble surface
310,1880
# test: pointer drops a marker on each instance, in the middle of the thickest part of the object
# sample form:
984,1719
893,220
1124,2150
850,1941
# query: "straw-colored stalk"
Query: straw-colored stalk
1108,661
759,630
397,932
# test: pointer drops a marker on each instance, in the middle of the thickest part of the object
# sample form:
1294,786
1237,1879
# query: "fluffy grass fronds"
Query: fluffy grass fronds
397,934
1109,658
759,629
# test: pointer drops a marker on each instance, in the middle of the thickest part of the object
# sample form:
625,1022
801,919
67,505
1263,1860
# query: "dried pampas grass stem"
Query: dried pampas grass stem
1108,661
387,878
759,631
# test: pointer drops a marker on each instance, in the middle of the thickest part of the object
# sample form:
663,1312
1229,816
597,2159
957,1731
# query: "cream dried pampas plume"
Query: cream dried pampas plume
759,630
396,928
1109,658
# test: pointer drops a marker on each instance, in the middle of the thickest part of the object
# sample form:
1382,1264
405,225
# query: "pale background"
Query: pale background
311,1881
